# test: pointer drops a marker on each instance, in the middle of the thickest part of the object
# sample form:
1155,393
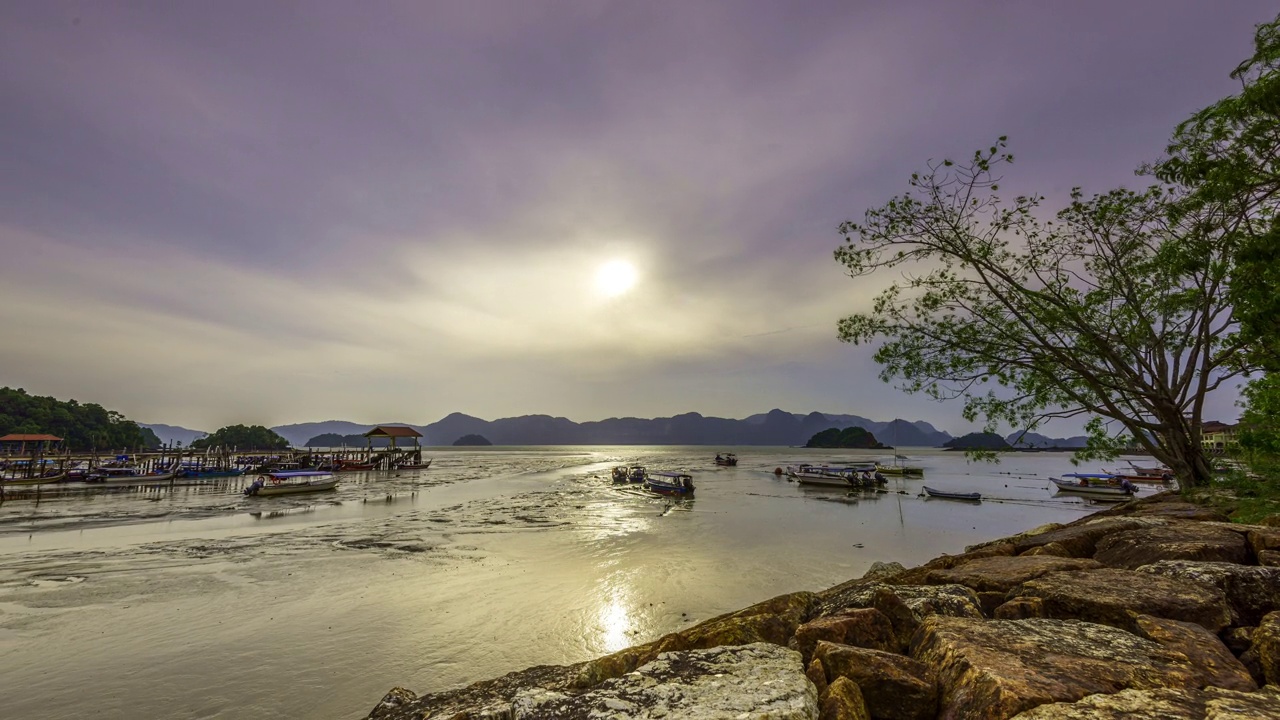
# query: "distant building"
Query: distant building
25,443
1218,436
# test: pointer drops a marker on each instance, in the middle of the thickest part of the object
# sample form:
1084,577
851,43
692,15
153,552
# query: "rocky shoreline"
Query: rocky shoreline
1157,608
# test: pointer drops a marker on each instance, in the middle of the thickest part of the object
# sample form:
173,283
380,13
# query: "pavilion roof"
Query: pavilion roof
23,437
393,431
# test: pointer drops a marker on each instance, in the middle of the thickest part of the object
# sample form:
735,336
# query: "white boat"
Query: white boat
820,475
1094,484
288,483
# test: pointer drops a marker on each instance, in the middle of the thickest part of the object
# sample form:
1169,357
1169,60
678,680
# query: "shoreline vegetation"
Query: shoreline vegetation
1158,604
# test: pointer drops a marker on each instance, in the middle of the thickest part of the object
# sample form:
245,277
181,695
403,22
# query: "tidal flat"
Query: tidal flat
200,603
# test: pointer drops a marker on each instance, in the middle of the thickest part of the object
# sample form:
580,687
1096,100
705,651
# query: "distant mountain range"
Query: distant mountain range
775,427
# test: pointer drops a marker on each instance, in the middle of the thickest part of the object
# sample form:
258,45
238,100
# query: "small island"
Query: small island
978,441
474,440
851,437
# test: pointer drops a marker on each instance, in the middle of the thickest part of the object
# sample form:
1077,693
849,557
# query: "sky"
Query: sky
265,213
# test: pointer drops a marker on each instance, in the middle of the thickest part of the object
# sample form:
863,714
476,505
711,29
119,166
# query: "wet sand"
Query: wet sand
200,603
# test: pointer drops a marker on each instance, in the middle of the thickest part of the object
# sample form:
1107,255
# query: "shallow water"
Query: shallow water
200,603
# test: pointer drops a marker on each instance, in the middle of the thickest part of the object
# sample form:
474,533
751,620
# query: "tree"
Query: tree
1116,310
1228,156
242,437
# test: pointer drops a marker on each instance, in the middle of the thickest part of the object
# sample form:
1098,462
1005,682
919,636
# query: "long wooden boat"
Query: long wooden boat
1161,475
899,469
203,472
37,480
413,466
726,459
349,465
130,477
1094,484
291,482
948,495
670,483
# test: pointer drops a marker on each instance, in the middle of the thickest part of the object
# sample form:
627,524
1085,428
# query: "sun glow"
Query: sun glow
615,278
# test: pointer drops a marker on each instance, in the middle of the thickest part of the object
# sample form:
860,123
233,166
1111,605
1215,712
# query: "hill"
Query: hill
472,440
978,441
1036,440
173,434
853,437
82,426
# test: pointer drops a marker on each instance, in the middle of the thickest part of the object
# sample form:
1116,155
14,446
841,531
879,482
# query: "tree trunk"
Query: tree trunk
1186,458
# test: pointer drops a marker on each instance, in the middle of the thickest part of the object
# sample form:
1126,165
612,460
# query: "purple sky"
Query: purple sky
271,212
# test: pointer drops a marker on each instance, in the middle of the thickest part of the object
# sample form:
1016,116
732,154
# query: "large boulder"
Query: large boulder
1003,573
1266,644
996,669
906,605
1164,704
488,698
1078,540
1252,591
1217,666
1113,597
1179,541
843,701
1179,511
894,687
761,681
860,627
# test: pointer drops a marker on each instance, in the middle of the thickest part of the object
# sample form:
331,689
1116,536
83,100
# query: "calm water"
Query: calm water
199,603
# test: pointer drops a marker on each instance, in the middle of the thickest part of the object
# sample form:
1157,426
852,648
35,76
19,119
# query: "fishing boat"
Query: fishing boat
127,475
896,469
200,471
948,495
350,465
637,473
1094,484
413,466
1134,473
726,459
291,482
669,483
51,477
620,473
820,475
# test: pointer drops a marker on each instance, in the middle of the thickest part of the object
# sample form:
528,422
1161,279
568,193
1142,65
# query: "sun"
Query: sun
615,278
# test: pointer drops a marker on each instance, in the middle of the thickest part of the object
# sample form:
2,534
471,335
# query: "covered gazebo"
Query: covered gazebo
393,432
20,441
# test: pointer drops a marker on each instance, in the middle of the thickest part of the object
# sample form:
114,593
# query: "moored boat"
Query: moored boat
726,459
1094,484
291,482
620,473
821,475
52,477
413,466
950,495
637,473
210,472
1134,473
124,476
350,465
669,483
896,469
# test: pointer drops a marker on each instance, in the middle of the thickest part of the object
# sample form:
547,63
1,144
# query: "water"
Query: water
200,603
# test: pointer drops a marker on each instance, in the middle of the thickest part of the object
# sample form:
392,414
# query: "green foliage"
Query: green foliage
242,437
1229,156
1116,309
850,437
82,427
1259,431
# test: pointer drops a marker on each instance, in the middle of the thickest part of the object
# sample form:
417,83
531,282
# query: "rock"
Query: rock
1217,665
774,621
1113,596
1080,540
397,698
1251,591
843,701
1237,639
996,669
1270,520
880,570
1125,705
860,627
1021,608
1002,574
918,575
1181,541
1055,549
1266,643
1249,658
761,681
817,676
905,605
1269,558
989,600
894,687
486,699
1212,703
1180,511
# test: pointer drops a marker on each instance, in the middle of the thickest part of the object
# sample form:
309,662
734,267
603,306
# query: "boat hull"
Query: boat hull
899,469
270,490
947,495
668,490
1108,491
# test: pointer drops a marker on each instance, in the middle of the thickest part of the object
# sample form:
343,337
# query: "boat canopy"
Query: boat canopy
674,475
1092,476
298,473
